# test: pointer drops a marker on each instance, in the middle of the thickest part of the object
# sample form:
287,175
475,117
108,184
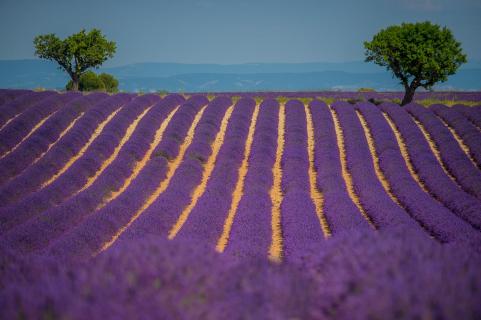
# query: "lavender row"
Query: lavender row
364,276
251,230
52,162
16,130
12,93
430,171
463,127
206,221
430,214
70,213
473,114
340,212
175,133
12,108
39,142
455,160
101,225
78,173
384,212
7,95
301,227
164,212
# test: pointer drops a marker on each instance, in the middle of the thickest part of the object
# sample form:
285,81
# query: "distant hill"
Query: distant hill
238,77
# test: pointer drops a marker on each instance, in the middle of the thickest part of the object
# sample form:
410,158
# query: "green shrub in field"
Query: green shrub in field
235,99
90,81
305,101
258,99
327,100
396,101
111,84
282,99
354,100
366,90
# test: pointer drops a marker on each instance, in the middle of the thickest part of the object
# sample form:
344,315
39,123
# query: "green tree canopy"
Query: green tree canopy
76,53
90,81
418,54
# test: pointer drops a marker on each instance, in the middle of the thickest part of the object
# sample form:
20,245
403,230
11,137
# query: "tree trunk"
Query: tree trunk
75,82
408,95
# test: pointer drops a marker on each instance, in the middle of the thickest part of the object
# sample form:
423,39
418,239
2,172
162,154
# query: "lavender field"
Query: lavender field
239,206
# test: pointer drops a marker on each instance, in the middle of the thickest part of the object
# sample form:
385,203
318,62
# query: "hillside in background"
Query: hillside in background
240,77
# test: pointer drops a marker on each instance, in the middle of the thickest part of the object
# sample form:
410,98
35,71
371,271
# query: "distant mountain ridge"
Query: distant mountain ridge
237,77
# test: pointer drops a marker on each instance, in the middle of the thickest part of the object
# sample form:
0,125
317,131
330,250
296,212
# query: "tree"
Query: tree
90,81
77,53
418,54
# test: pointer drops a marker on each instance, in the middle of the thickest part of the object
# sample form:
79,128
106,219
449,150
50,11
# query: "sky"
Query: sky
230,31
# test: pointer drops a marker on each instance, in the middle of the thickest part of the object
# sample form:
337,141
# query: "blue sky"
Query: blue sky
226,31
